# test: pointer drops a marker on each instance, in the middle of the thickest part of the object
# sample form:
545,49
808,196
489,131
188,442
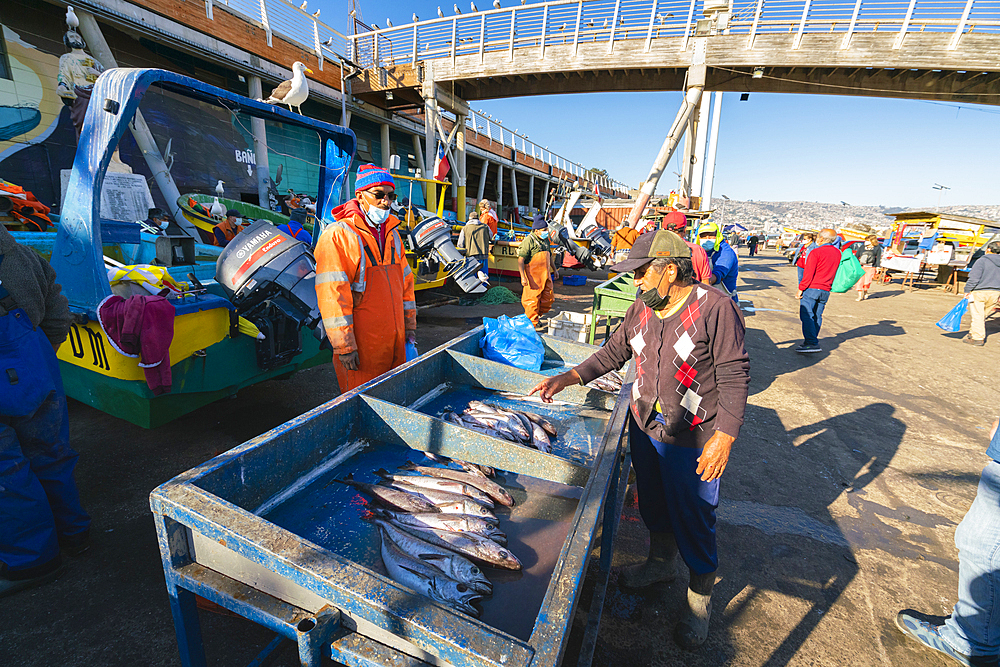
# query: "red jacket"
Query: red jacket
821,267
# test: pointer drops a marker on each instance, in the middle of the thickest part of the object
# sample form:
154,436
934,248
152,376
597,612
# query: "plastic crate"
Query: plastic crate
571,326
574,281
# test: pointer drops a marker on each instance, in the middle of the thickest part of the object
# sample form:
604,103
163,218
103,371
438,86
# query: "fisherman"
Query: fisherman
535,264
40,507
364,284
676,222
227,230
156,218
294,226
488,216
475,239
725,263
687,410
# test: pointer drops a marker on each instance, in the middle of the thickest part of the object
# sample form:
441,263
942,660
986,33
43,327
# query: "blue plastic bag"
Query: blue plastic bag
952,322
512,341
411,351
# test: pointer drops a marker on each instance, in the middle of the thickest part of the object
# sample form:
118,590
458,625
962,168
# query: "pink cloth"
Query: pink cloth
702,267
143,327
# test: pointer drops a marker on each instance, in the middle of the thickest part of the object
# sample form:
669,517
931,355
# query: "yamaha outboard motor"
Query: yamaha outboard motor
433,237
271,279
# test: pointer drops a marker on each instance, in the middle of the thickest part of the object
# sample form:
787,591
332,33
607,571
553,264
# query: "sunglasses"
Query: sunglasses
378,194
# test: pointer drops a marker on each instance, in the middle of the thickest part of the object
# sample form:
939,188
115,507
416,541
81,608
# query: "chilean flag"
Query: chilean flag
441,166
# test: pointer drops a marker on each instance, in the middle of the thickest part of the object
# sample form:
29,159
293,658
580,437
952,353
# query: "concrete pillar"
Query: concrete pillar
686,160
699,145
260,147
531,191
545,197
513,186
384,127
430,141
99,48
462,174
481,193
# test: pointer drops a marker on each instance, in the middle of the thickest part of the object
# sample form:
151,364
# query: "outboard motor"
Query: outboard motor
270,278
433,237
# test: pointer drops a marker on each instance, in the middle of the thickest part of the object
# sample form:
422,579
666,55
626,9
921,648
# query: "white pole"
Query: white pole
713,144
701,138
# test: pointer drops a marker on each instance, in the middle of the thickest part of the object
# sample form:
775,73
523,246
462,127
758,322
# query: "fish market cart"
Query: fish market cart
611,299
265,530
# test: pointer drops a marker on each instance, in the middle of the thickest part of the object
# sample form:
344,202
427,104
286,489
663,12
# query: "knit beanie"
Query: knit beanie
538,222
369,176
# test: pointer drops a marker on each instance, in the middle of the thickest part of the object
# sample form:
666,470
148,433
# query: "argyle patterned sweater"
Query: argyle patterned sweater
693,362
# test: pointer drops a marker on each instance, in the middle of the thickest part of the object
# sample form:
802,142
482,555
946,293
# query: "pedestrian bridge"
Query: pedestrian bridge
931,49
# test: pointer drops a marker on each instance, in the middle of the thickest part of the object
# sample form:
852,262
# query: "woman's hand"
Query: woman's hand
549,387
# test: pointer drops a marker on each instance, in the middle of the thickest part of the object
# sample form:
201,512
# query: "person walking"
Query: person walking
983,292
870,255
488,216
40,510
534,263
971,635
814,289
802,254
725,263
364,284
752,244
681,430
474,240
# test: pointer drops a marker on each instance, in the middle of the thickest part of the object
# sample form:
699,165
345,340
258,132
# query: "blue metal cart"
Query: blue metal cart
264,531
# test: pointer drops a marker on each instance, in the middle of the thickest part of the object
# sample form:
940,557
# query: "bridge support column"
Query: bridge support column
384,140
713,144
260,147
500,190
419,152
513,189
461,206
430,142
481,193
531,191
545,198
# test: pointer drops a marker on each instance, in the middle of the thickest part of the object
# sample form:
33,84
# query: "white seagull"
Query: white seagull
440,13
416,19
72,20
474,8
217,210
497,5
294,91
303,5
457,10
219,190
388,22
316,14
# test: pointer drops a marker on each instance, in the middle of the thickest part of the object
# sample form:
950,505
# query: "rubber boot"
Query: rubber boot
659,567
692,630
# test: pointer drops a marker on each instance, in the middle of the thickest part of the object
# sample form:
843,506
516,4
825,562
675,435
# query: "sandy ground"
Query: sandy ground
838,508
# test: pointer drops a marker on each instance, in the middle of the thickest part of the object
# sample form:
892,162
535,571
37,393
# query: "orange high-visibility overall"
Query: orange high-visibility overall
365,295
538,301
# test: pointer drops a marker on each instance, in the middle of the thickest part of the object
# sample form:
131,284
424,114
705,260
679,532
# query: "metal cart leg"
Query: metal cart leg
187,626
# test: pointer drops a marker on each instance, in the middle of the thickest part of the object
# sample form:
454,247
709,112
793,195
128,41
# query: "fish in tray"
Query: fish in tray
464,465
442,498
400,499
611,382
426,579
478,548
449,563
518,426
447,485
454,522
475,480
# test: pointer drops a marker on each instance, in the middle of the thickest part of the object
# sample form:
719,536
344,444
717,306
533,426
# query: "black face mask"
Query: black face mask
652,297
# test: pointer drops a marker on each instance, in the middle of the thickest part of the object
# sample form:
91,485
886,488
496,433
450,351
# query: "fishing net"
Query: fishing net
497,295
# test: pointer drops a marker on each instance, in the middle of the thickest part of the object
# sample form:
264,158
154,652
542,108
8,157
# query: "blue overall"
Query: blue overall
39,500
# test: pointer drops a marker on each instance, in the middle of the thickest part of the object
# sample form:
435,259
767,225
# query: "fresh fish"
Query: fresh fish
465,465
454,522
453,565
498,423
473,546
401,499
507,419
426,579
480,428
437,496
495,491
540,439
543,422
437,483
470,507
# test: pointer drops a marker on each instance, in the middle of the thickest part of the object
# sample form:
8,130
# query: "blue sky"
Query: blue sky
860,150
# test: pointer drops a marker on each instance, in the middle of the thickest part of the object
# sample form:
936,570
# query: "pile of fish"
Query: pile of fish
434,522
523,428
612,382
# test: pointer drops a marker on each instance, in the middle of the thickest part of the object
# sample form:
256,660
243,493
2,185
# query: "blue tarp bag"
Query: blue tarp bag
512,341
411,351
952,322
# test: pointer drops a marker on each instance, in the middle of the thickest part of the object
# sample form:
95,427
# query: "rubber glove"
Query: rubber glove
350,360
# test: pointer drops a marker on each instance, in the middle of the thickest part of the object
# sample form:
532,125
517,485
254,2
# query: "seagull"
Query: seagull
497,5
621,20
590,24
562,27
219,190
217,210
440,13
474,8
388,22
416,19
316,14
605,26
294,91
303,5
375,26
328,42
353,13
72,20
659,17
457,10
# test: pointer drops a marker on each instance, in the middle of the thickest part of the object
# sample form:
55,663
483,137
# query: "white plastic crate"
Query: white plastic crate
571,326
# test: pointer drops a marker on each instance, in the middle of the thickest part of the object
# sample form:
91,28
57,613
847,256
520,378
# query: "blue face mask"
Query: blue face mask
544,235
709,246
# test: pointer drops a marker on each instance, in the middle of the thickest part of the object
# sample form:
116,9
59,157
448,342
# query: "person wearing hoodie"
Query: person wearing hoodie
725,264
983,292
364,284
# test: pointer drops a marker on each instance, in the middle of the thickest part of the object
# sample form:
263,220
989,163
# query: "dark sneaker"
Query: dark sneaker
808,349
916,626
37,576
74,545
973,341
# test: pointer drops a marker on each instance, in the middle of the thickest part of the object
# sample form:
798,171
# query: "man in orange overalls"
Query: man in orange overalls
363,283
534,262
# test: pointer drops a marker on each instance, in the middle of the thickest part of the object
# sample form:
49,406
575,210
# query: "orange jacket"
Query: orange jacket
345,251
228,230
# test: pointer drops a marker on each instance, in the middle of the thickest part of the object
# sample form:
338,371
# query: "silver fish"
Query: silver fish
506,420
465,465
540,439
447,561
495,491
437,483
427,580
473,546
543,422
437,496
401,499
455,522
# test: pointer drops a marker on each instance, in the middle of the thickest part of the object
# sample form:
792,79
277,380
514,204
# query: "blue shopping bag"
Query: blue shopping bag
952,322
411,351
512,341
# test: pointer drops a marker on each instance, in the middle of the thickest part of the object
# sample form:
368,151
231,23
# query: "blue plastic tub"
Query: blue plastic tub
575,281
